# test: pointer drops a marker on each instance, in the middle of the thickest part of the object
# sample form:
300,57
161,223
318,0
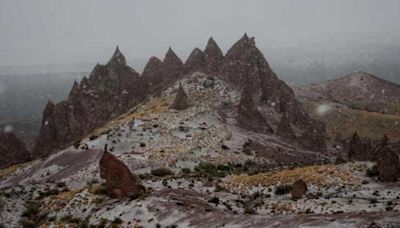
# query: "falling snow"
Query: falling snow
8,129
323,109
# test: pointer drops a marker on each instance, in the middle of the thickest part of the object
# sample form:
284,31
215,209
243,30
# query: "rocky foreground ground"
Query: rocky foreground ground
244,179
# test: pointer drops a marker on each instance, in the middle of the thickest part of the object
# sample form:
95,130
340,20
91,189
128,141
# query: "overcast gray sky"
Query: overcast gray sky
71,31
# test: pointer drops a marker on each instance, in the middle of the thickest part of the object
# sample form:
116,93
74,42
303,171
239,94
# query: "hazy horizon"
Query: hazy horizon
44,32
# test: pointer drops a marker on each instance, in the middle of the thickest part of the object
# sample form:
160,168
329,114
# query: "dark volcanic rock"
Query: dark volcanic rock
388,165
299,189
213,56
12,150
313,137
173,66
284,128
180,101
120,181
154,74
245,65
196,61
360,150
114,88
109,91
249,116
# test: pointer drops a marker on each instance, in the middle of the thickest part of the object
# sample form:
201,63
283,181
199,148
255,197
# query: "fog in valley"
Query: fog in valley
46,45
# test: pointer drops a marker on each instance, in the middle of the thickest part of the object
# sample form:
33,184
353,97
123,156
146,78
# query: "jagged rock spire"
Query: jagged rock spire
356,147
171,58
213,56
284,128
118,59
180,101
248,114
49,107
12,150
196,61
74,90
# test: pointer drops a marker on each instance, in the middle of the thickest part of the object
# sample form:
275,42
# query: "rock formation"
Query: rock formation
120,182
196,61
249,116
112,89
180,102
154,74
312,137
299,189
244,65
213,57
109,91
284,128
12,150
362,149
173,66
356,148
388,165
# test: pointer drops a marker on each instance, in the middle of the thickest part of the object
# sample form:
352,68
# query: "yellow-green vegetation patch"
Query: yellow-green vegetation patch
345,121
319,175
57,202
11,169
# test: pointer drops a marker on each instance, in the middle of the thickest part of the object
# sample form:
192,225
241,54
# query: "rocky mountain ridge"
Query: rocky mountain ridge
114,88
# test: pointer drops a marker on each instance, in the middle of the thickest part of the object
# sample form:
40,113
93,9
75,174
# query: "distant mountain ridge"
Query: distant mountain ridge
359,90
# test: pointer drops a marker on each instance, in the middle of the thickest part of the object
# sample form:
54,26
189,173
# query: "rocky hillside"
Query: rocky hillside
184,158
357,102
358,91
217,140
114,88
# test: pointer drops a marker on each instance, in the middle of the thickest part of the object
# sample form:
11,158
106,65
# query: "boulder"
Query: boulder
120,182
299,189
388,165
12,150
180,102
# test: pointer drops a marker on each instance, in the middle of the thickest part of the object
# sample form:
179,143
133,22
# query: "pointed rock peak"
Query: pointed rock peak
212,47
74,89
48,109
172,58
117,59
195,58
245,50
50,103
180,102
154,60
153,68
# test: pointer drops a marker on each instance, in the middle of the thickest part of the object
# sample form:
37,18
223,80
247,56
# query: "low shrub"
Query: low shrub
160,172
283,189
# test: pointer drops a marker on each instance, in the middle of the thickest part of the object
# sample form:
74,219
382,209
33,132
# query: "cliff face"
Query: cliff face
114,88
12,150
